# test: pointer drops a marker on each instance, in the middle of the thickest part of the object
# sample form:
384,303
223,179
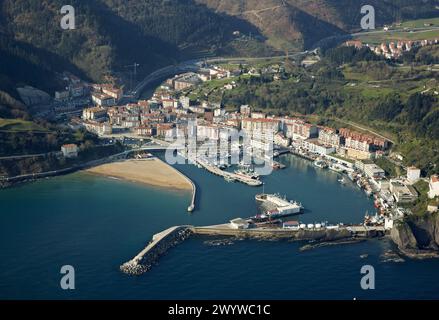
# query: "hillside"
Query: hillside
113,34
297,24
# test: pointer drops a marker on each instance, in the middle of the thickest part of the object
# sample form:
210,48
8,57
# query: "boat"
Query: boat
247,173
336,168
321,164
342,181
229,179
278,206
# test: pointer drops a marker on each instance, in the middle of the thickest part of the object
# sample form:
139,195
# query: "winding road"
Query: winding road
195,65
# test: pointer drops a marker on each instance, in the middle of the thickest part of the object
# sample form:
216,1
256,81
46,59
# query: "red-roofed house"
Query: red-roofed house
70,150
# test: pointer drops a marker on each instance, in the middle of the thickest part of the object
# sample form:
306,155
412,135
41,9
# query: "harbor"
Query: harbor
139,211
240,228
228,176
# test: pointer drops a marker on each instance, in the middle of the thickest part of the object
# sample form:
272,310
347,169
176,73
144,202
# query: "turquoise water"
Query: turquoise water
95,224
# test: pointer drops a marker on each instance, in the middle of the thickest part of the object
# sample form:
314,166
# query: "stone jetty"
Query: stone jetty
160,244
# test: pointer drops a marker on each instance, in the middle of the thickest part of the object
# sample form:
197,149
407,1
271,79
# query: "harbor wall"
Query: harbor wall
160,245
162,242
316,234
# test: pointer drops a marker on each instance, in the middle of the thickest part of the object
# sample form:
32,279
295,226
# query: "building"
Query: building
373,171
358,144
185,102
69,150
103,100
95,113
147,131
185,81
245,110
354,43
291,225
362,141
300,130
402,193
258,115
281,140
314,146
260,127
169,103
164,129
330,136
115,93
105,129
208,131
434,187
413,174
100,128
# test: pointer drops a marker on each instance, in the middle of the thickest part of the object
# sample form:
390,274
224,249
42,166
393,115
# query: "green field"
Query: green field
399,35
420,23
19,125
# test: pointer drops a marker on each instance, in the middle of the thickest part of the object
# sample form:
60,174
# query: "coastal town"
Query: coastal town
171,114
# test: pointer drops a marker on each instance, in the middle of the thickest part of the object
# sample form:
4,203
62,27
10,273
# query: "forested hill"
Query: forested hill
297,24
113,34
110,35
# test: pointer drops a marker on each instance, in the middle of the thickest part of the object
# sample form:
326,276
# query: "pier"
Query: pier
232,176
322,234
160,244
191,207
169,238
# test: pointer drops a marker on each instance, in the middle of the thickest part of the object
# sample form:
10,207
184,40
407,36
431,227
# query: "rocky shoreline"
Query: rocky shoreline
313,246
417,237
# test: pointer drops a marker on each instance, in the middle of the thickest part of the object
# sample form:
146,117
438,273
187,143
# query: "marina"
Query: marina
229,176
140,211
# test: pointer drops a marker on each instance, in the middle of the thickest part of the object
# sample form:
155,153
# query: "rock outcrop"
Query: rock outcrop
417,236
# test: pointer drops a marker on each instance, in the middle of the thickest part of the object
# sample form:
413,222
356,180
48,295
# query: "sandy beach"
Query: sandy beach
152,172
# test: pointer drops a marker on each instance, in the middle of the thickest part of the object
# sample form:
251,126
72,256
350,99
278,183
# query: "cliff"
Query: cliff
417,236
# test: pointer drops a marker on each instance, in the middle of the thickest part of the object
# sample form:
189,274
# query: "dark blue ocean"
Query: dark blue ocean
95,224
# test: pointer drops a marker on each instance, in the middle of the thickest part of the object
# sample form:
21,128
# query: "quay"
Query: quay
322,234
228,175
162,242
302,155
191,207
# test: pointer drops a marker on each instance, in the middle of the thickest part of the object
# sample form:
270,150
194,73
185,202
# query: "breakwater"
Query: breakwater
169,238
160,244
318,234
191,207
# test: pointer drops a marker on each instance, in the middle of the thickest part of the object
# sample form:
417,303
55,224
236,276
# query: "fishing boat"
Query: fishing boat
321,164
278,207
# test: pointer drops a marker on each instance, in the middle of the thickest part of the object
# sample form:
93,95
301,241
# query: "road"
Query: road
365,129
24,156
195,65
